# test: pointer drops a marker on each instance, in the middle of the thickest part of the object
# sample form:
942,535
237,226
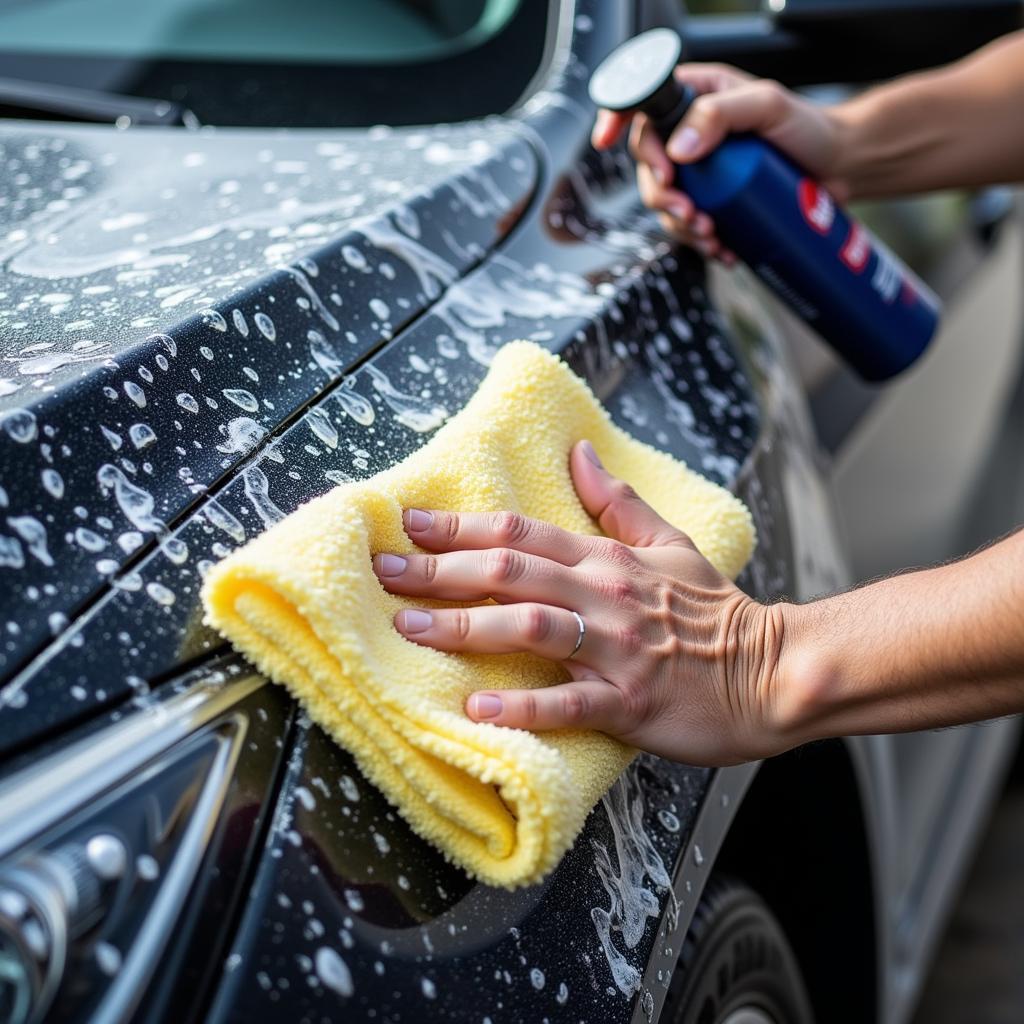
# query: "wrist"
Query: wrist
848,127
806,684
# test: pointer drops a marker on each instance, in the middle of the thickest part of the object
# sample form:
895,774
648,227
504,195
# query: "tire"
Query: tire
736,966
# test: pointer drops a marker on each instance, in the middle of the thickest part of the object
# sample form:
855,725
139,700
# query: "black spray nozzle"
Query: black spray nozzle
638,76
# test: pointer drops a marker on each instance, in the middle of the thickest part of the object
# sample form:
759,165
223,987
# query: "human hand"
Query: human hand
675,659
728,101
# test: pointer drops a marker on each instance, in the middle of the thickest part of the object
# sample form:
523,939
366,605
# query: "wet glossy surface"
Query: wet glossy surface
520,231
325,923
202,349
190,818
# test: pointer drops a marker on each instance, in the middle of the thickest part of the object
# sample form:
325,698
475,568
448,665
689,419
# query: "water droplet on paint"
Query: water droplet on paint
333,971
141,434
668,820
214,319
53,482
243,399
20,425
265,326
135,393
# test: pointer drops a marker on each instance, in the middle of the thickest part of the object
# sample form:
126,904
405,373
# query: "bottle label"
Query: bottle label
887,279
819,211
856,249
817,206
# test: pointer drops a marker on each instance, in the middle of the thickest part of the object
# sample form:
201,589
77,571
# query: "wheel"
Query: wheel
736,966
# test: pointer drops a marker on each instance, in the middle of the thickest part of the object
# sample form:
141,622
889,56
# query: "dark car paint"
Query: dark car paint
568,261
164,392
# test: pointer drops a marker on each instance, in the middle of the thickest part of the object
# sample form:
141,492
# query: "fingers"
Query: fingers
501,573
655,174
620,512
755,106
583,704
711,77
655,196
608,127
438,530
728,100
647,148
528,627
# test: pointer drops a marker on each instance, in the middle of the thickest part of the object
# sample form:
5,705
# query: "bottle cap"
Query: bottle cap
638,76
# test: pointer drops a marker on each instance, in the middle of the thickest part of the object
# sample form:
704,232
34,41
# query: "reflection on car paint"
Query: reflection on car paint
218,361
633,319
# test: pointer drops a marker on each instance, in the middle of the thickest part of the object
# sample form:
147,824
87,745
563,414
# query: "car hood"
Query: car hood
170,298
108,236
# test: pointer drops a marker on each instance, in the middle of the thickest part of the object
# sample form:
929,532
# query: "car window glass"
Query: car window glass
342,31
304,63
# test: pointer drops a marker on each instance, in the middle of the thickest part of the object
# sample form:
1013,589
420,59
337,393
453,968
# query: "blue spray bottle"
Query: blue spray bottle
785,226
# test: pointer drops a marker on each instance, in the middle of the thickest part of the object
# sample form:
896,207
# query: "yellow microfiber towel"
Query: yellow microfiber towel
302,603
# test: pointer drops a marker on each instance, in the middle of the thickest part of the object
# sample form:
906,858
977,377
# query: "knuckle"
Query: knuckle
709,111
621,491
673,226
535,623
773,95
575,707
501,565
636,703
510,527
617,589
630,641
429,567
618,554
460,623
650,193
450,528
528,708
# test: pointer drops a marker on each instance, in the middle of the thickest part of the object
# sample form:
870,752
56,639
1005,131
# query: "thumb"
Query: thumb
607,128
751,107
620,512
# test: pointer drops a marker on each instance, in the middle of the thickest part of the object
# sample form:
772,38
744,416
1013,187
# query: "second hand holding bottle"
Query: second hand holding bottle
784,225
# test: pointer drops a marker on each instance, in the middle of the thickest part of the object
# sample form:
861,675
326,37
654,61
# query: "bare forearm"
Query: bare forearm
958,126
926,649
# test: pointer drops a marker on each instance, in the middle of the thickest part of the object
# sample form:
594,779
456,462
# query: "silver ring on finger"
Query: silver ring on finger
579,639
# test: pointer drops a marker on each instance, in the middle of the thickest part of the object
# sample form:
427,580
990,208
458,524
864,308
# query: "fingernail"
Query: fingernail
413,620
681,212
684,143
390,565
661,175
703,225
417,520
485,705
588,451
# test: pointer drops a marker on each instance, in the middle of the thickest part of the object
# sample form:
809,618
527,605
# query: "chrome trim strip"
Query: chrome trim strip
722,800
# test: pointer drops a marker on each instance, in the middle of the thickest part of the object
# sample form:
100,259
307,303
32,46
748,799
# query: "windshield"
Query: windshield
300,62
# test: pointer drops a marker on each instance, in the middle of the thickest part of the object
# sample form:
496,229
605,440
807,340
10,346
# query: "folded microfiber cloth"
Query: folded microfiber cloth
303,604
